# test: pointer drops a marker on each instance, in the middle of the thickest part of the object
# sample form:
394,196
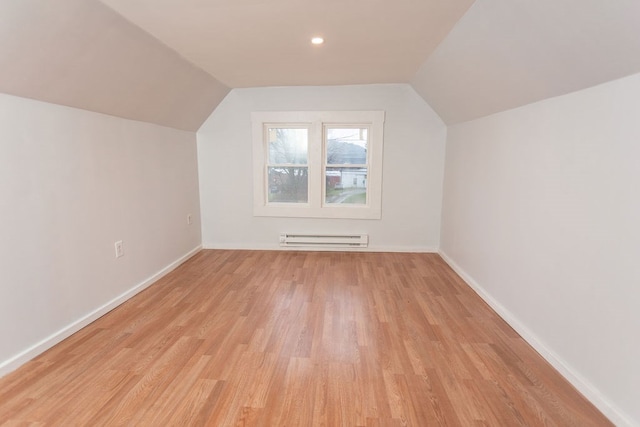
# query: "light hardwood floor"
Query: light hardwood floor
297,339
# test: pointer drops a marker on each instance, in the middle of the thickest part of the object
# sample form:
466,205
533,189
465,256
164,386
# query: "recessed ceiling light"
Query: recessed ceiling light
317,40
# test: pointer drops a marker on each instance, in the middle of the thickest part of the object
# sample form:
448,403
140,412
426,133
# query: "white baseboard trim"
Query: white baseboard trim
615,415
55,338
276,247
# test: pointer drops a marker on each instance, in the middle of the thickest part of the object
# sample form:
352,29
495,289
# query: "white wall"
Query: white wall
542,215
73,182
412,172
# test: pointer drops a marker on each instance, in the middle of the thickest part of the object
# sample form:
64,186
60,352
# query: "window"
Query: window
288,164
322,164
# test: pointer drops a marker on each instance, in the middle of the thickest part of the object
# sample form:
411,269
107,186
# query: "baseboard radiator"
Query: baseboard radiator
324,240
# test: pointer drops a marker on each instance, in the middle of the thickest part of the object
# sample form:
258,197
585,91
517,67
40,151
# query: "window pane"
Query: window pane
288,146
347,146
288,185
346,186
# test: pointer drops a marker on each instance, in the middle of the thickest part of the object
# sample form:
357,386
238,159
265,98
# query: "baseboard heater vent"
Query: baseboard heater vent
325,240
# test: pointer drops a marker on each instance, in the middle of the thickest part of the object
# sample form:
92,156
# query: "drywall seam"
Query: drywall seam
618,417
21,358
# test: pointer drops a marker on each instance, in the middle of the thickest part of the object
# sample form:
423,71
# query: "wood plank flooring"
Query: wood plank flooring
262,338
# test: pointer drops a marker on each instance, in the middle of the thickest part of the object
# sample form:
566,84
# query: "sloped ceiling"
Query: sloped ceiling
507,53
81,54
171,62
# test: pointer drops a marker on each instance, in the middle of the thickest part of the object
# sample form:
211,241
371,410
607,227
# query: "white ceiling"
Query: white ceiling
248,43
172,61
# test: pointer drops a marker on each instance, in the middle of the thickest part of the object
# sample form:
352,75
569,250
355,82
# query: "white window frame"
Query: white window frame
316,121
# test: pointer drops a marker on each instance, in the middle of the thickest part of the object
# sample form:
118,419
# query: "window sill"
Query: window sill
304,211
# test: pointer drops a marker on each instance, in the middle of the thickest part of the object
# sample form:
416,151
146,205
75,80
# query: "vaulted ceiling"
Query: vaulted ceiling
171,62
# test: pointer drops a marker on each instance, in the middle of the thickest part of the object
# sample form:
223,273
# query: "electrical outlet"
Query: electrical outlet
189,219
119,249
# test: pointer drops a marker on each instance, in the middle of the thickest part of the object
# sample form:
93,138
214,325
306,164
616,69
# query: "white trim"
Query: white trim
315,121
23,357
277,247
615,415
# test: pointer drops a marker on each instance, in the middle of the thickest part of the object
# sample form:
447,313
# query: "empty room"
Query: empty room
335,213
